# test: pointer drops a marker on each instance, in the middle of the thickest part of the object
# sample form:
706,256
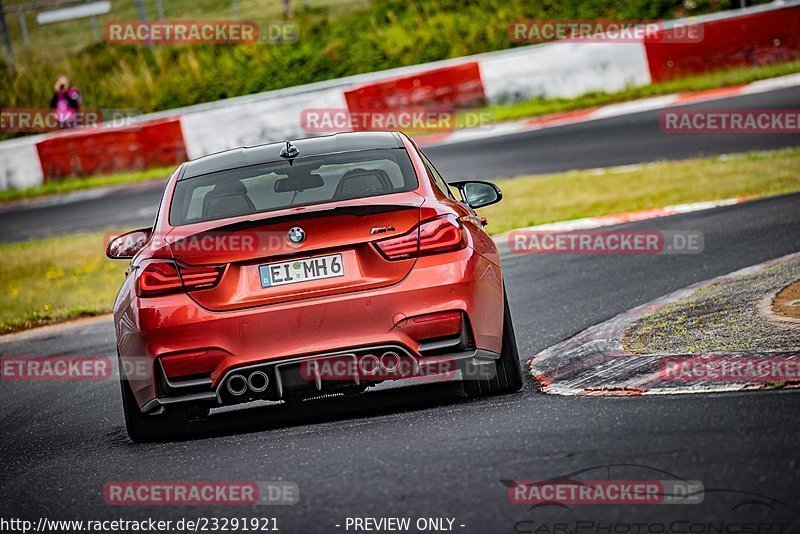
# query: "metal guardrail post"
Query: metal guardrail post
23,27
6,37
143,17
142,10
95,26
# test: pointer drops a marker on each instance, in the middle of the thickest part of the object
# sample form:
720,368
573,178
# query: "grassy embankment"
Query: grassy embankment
336,39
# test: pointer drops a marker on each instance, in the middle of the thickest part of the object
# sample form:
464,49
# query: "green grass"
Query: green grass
533,200
711,80
59,40
77,184
336,39
50,280
55,279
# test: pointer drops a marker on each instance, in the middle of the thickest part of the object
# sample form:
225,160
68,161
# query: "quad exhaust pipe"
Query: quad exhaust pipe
256,382
369,364
237,385
389,362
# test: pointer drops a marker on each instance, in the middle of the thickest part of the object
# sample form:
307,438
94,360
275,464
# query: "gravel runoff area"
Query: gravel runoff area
745,313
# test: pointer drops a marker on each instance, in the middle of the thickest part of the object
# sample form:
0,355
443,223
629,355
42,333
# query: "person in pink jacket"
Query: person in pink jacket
66,102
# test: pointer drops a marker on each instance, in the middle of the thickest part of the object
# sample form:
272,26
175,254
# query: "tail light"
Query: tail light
440,234
164,277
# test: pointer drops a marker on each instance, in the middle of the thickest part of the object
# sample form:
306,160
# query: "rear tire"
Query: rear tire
509,368
142,427
507,376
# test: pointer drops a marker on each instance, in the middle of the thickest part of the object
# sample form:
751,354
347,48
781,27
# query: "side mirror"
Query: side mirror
478,194
128,244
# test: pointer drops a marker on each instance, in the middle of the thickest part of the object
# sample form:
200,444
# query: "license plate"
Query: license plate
304,270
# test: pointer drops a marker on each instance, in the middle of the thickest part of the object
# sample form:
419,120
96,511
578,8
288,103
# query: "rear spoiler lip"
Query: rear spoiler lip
358,211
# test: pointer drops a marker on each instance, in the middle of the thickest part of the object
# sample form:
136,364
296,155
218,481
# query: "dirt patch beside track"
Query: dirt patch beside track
787,302
725,316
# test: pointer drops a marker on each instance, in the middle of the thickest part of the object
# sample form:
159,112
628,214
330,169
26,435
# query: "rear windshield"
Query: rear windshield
278,185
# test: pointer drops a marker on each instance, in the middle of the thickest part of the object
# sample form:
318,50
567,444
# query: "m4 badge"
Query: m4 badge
381,230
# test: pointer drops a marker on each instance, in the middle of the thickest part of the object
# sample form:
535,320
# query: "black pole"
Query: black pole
6,38
143,17
140,7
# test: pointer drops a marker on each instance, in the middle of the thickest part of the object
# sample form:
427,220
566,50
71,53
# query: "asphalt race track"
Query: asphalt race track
425,451
615,141
623,140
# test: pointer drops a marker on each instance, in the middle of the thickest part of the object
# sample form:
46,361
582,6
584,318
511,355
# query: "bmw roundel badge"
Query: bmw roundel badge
296,235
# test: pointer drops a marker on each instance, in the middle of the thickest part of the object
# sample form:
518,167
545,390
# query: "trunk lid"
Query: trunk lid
252,247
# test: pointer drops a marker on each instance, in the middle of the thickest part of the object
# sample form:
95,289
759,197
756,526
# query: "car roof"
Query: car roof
312,146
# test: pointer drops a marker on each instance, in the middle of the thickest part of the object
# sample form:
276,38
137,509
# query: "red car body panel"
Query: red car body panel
237,323
346,234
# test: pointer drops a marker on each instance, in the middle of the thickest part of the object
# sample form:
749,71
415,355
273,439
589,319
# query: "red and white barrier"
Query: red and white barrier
756,35
88,152
19,163
249,121
458,86
563,70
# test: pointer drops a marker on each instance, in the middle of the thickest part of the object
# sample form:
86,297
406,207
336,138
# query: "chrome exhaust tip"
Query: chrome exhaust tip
237,385
369,364
258,381
390,361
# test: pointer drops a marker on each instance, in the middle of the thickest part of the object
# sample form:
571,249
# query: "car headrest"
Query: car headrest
363,183
227,199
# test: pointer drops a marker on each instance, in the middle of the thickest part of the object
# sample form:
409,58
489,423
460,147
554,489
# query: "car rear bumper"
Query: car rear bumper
474,361
194,350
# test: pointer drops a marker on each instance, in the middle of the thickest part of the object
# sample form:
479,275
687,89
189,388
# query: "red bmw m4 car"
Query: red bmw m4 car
294,270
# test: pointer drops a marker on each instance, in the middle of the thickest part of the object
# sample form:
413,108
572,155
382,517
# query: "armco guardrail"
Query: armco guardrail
555,69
